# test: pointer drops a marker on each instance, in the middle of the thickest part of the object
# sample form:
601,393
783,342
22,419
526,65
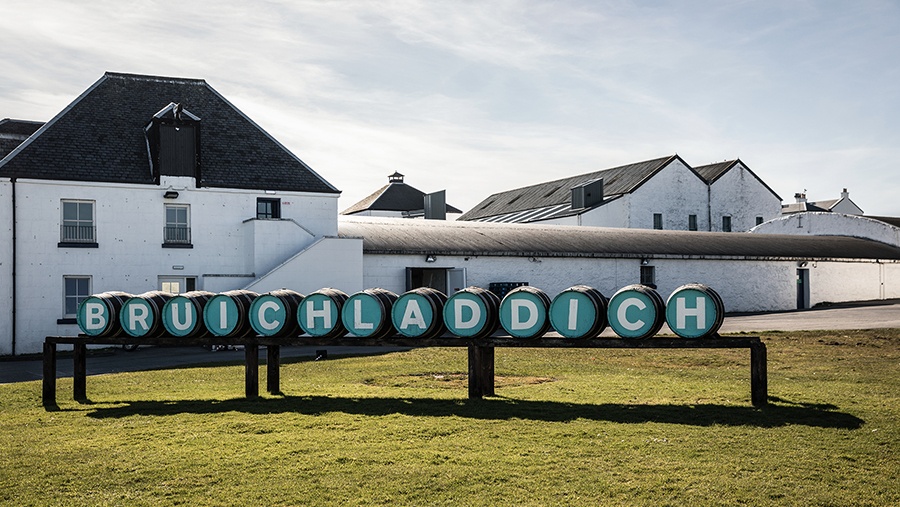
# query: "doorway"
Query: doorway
802,288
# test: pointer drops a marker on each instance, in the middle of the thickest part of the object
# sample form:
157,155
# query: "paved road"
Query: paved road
851,316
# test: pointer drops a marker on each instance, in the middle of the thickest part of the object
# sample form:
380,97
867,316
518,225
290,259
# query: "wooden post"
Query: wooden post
273,369
481,371
79,372
48,394
759,383
251,370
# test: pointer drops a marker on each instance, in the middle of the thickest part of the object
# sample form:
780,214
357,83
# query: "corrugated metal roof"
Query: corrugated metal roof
616,181
397,236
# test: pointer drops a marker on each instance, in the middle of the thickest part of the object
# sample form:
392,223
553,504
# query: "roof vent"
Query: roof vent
395,178
587,194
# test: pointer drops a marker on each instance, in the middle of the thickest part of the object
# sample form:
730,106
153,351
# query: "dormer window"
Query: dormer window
173,143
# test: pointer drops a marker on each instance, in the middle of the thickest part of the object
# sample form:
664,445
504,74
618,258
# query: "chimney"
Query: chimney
587,194
801,197
845,194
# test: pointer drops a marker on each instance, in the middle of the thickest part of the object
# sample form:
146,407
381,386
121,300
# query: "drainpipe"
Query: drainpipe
709,207
13,182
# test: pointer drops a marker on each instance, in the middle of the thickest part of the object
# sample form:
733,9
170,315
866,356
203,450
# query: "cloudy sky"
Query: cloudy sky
478,97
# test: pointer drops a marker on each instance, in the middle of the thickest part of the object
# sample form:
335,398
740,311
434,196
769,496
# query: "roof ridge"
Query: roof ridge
157,79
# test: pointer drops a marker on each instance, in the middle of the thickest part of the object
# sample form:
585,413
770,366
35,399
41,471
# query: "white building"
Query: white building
664,193
146,183
842,205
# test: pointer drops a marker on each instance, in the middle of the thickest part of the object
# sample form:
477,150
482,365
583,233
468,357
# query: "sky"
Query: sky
479,97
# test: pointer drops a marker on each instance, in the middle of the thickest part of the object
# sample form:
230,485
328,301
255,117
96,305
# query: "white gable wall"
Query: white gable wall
6,267
740,195
676,192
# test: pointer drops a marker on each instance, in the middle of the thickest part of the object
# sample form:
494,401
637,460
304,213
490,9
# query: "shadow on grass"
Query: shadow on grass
497,408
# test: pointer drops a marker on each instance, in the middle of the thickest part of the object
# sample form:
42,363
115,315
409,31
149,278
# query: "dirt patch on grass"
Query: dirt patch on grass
451,380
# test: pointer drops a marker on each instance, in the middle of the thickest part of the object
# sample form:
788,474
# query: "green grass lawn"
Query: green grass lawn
567,427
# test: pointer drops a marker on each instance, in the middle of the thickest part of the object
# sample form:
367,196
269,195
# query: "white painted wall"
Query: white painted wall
6,267
738,194
329,262
676,192
230,248
831,224
744,285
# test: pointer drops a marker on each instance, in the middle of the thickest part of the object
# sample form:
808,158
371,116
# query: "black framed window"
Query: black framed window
268,208
726,224
692,222
657,221
648,276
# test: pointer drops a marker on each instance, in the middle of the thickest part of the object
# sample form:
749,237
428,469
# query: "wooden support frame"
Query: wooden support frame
480,356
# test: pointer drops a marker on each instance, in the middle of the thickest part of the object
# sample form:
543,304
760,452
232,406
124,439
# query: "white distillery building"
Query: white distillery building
146,183
664,193
752,272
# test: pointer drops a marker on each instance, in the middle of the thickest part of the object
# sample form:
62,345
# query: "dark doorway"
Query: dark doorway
802,289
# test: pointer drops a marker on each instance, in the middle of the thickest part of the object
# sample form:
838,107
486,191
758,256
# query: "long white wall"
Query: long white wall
744,285
230,248
831,224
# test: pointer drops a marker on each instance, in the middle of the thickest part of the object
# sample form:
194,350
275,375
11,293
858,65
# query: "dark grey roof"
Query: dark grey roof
14,132
395,196
558,193
800,207
100,137
712,172
895,221
397,236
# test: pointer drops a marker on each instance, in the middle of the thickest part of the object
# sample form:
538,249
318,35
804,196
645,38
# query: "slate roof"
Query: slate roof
100,137
895,221
395,196
398,236
800,207
13,132
712,172
553,198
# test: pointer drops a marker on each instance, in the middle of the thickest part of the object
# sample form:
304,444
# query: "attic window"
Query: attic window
173,142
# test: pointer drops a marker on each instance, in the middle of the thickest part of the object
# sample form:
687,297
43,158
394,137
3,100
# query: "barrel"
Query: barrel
367,313
418,313
227,314
274,313
141,315
523,312
695,311
636,311
472,312
579,312
319,313
182,315
98,314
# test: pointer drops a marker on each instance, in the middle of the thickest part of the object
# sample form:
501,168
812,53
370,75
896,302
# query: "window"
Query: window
75,290
177,285
726,224
77,224
759,220
178,225
657,221
648,276
692,222
267,208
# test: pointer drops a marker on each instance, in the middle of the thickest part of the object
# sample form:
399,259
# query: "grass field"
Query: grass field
567,427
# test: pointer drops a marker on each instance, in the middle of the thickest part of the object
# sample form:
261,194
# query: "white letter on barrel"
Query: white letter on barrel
312,313
476,313
137,313
573,314
515,305
95,317
681,311
188,318
413,316
623,308
268,305
223,315
357,317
